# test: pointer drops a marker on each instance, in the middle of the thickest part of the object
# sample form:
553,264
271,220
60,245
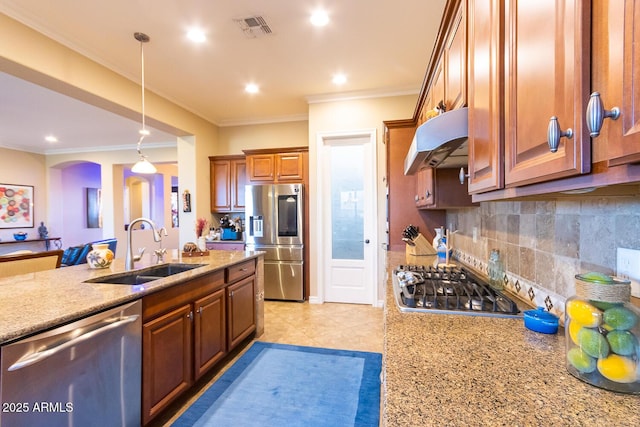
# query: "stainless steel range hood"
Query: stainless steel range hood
436,139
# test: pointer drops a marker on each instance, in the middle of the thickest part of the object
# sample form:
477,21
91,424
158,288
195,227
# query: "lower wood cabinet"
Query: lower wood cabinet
190,327
166,359
209,332
242,321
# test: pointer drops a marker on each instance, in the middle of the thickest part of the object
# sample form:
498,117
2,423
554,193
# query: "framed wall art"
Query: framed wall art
16,206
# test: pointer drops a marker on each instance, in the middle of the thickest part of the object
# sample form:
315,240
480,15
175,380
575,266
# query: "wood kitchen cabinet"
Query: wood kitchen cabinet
486,107
615,75
167,360
455,60
440,189
277,166
241,302
184,335
228,178
546,75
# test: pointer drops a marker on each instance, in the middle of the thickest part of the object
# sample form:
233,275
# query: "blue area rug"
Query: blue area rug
286,385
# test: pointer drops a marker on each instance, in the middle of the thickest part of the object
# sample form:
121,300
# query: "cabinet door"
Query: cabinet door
289,167
241,304
210,339
437,85
424,188
238,181
456,60
486,137
616,76
547,74
167,361
220,185
261,167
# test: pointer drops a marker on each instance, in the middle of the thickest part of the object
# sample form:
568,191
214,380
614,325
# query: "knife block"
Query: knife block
421,252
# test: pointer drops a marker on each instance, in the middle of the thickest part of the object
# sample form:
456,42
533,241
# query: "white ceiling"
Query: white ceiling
382,46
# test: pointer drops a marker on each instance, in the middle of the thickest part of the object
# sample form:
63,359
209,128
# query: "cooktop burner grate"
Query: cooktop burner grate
448,289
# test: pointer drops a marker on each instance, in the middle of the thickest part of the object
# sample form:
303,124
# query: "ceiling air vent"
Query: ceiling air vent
254,26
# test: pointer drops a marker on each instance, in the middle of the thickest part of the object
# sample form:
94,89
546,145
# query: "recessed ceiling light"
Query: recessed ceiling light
196,35
339,79
319,18
251,88
50,138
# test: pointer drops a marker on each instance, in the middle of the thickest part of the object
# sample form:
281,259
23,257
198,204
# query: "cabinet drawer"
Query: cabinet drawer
183,293
239,271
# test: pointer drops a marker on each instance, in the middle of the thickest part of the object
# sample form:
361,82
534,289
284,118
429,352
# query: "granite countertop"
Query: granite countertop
449,370
33,302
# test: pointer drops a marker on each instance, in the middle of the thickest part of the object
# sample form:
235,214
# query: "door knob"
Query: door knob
366,241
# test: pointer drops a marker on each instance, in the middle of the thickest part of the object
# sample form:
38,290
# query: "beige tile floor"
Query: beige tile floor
329,325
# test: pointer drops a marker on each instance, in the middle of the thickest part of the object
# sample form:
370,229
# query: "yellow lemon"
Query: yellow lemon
584,313
618,368
574,328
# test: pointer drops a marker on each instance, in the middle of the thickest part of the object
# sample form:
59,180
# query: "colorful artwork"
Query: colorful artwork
16,206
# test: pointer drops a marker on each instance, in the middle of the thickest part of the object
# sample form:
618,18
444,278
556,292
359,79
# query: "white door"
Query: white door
348,210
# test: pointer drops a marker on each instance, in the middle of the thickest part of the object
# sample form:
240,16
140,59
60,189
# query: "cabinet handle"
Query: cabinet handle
554,133
462,176
596,114
231,294
427,194
416,198
200,311
190,315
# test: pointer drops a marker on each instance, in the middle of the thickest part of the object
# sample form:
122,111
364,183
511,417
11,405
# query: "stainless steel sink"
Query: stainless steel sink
145,275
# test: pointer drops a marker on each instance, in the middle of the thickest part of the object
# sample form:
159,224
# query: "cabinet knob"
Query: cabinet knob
416,198
190,315
427,194
200,310
596,114
462,176
554,133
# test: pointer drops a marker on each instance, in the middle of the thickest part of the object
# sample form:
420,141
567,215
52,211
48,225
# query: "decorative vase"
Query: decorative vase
100,256
202,244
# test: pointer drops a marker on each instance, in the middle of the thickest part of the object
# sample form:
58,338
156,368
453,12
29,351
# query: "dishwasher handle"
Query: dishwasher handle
33,358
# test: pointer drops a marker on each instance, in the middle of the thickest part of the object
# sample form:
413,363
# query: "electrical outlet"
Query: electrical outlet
628,267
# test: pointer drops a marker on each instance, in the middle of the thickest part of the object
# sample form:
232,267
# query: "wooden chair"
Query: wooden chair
12,265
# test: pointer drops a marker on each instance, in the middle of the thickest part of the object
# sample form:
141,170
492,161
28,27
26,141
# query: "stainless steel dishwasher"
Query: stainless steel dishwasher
84,373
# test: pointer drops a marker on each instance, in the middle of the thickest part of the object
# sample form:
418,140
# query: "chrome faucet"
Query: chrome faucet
160,252
157,237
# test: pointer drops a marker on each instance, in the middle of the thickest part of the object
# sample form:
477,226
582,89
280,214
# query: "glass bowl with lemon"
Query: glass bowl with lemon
602,333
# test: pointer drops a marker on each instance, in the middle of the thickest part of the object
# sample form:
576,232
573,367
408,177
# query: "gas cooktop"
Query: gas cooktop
453,290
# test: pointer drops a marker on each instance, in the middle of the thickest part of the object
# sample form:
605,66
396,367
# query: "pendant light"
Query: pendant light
143,165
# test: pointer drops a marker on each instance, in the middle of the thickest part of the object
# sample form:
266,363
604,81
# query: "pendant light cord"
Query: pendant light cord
143,38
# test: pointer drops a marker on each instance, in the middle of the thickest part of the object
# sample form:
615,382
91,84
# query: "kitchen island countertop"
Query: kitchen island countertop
450,370
30,303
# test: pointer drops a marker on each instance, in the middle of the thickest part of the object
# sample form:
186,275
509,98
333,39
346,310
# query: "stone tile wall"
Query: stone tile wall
544,244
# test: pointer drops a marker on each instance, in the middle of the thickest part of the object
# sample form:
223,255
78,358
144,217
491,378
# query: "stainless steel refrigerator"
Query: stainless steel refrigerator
274,218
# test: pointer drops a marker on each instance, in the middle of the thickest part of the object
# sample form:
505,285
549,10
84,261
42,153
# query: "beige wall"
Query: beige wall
23,168
234,139
32,56
347,116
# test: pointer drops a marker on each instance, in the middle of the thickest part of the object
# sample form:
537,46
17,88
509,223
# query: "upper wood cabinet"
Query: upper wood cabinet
455,60
486,107
228,178
277,165
440,189
547,75
615,75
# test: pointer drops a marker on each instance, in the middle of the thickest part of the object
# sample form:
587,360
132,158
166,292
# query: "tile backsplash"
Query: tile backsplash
544,244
